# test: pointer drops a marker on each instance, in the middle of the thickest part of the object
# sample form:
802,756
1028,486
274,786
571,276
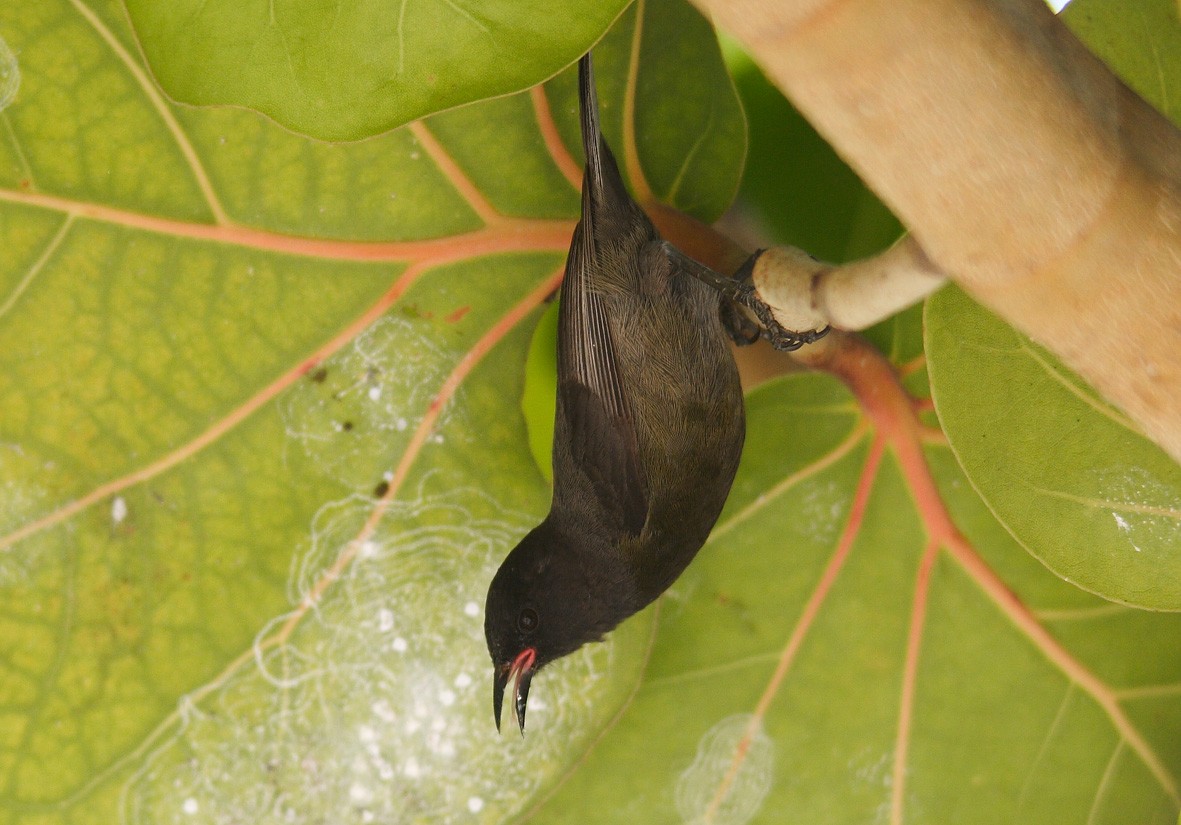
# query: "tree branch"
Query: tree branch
805,293
1023,167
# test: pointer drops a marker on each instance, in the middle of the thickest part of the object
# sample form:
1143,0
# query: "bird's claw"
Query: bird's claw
775,333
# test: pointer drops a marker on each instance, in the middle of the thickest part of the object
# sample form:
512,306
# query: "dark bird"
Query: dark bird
648,432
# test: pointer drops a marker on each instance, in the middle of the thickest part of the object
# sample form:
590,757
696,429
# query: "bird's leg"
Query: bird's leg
741,290
743,331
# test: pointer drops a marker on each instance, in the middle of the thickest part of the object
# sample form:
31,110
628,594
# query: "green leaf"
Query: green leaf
1140,41
694,144
1067,474
344,71
260,443
795,189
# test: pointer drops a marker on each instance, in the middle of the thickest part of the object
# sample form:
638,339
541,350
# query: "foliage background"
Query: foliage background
261,447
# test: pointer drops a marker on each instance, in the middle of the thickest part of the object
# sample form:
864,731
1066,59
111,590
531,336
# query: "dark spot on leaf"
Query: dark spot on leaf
381,489
346,426
414,311
319,375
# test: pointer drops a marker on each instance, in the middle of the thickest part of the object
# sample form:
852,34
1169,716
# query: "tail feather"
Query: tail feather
592,136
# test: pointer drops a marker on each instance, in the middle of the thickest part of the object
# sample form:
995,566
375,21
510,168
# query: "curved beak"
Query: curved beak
520,671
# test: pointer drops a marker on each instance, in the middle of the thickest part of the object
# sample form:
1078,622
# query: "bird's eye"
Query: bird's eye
527,621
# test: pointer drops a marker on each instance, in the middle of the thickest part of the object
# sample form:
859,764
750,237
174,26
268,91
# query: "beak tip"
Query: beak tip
520,673
497,700
522,691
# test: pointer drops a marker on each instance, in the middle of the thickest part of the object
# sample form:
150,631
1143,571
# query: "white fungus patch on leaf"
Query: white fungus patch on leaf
1145,508
355,414
333,723
10,76
20,500
730,775
25,479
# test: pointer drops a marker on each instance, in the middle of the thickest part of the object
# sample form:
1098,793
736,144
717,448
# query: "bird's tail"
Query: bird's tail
592,137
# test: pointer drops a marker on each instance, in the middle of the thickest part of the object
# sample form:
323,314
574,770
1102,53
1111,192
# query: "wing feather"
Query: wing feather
597,420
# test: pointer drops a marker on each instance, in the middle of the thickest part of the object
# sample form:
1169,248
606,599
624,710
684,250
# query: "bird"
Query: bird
648,431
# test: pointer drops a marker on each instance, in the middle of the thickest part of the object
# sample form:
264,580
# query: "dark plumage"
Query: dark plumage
647,437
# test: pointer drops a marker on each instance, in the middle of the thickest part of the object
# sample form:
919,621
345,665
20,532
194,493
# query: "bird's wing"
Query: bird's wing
593,401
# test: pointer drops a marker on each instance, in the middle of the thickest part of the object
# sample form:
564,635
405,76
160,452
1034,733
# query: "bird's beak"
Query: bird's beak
520,671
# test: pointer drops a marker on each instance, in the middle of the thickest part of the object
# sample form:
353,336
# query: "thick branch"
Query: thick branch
1024,168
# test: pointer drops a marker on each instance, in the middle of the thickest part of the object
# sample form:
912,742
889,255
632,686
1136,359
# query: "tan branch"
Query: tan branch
805,293
1025,169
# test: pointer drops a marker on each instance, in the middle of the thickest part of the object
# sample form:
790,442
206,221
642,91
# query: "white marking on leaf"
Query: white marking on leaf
1145,508
730,775
10,76
330,723
348,420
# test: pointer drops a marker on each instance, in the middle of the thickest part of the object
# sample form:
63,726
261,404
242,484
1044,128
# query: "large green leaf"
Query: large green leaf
1141,41
1069,475
260,447
344,71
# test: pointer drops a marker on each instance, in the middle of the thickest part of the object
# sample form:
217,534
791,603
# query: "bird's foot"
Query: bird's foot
783,339
740,290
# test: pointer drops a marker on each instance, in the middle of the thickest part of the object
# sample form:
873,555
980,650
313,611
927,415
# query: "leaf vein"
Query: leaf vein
162,109
26,169
1104,783
1059,715
37,266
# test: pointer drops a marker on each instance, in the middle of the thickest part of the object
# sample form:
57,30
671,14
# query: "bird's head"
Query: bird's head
547,600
